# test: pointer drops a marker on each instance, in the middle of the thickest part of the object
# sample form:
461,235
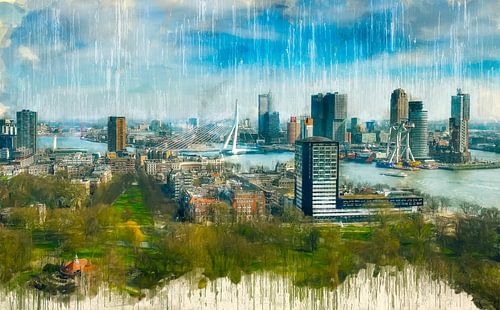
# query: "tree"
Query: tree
292,215
415,235
384,247
476,233
312,240
15,252
220,213
133,234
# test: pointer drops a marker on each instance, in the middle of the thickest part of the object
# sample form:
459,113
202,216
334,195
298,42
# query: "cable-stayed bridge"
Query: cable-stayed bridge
216,136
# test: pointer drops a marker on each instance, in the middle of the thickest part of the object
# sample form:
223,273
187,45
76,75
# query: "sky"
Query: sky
174,59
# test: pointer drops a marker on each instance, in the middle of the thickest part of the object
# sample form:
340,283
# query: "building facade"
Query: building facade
317,176
268,119
459,126
117,134
272,127
265,106
121,164
399,106
248,203
293,130
370,126
306,127
329,113
419,136
26,130
8,136
193,122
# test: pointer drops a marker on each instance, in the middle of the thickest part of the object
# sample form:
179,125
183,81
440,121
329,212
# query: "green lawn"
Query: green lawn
131,204
356,232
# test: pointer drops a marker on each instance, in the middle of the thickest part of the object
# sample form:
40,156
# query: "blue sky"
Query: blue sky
82,60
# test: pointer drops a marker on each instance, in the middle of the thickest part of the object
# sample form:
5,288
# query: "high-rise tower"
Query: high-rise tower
117,134
8,136
269,119
399,106
459,126
329,113
317,176
293,130
26,130
265,105
306,127
419,135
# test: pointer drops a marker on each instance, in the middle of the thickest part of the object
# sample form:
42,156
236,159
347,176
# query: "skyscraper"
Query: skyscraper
329,113
317,176
26,130
265,106
269,120
8,135
370,126
419,135
117,134
354,125
459,126
272,127
293,130
192,122
399,106
306,127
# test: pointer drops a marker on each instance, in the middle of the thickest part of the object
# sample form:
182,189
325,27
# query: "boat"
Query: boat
395,174
384,164
364,156
429,167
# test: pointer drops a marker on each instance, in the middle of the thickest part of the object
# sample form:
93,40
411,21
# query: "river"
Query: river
478,186
71,142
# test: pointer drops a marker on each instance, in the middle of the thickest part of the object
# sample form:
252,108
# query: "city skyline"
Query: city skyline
80,60
249,154
256,119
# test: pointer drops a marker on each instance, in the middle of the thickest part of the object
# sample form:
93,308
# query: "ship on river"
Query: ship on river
408,166
395,174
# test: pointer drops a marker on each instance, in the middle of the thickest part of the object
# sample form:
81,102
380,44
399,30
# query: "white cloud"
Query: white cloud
3,109
21,2
136,59
28,54
217,5
4,35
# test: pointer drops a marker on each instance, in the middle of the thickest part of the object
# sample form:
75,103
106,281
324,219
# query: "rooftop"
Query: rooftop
315,139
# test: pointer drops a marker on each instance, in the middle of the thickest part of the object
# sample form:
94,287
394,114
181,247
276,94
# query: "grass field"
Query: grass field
356,232
131,204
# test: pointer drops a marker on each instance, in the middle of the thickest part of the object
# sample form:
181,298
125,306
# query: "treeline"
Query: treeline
53,191
155,200
107,193
461,249
469,253
51,219
57,191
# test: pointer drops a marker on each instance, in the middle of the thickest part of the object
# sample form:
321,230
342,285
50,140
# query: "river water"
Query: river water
410,289
478,186
71,142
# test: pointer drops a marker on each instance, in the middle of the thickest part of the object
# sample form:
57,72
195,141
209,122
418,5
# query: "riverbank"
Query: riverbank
471,166
485,149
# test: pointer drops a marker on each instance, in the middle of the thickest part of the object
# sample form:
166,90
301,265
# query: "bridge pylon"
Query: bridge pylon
234,132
